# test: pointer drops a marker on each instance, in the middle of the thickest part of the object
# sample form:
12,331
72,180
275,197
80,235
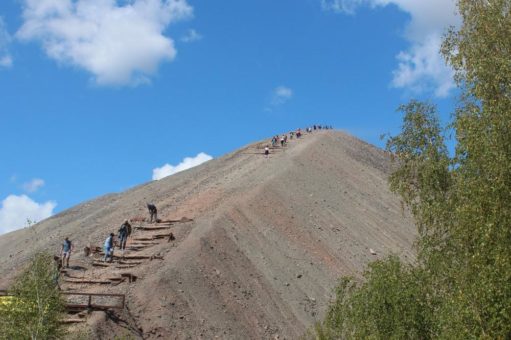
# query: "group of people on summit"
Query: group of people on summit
298,133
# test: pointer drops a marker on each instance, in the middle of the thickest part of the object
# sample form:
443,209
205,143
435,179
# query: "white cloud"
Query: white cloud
34,185
120,42
6,61
5,38
281,95
15,210
191,36
420,68
344,6
186,163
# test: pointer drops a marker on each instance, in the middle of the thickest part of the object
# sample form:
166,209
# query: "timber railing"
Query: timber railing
91,303
88,300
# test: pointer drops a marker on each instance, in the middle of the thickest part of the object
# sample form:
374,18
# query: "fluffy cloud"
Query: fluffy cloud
281,95
5,57
191,36
33,185
420,68
15,210
344,6
120,42
186,163
6,61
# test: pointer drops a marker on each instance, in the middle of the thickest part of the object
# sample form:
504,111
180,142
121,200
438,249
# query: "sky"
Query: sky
97,96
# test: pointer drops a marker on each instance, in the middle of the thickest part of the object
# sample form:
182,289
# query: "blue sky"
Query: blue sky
96,94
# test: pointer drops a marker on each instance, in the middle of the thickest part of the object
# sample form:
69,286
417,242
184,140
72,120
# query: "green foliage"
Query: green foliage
390,304
81,334
36,307
423,178
461,286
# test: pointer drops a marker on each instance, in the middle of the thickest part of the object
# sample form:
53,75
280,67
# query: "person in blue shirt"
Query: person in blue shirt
108,248
65,251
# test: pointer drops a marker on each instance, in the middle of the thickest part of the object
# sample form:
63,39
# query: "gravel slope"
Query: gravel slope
269,240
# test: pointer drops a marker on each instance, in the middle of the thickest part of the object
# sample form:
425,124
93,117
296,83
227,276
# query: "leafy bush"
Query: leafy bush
34,310
390,304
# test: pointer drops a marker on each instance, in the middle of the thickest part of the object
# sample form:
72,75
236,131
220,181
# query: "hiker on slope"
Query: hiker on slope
266,151
108,248
153,212
65,251
124,233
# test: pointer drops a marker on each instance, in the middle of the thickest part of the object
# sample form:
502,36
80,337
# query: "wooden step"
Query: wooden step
115,278
143,239
87,281
126,266
130,263
137,248
153,237
181,220
143,257
153,228
72,320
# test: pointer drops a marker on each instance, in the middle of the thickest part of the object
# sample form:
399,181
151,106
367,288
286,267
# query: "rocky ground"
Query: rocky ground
269,239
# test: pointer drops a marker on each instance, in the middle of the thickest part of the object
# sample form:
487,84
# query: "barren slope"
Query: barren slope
269,240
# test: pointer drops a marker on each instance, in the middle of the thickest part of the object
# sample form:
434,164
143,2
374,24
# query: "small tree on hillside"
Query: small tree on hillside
36,307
